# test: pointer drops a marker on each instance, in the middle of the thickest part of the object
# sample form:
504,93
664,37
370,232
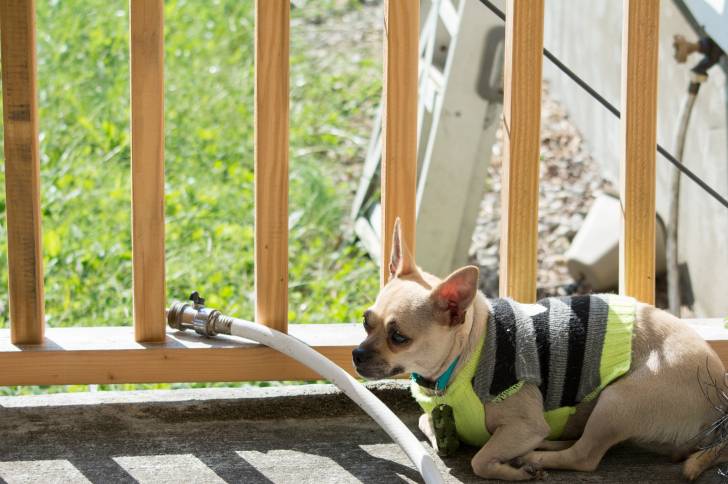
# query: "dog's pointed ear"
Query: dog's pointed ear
401,261
453,296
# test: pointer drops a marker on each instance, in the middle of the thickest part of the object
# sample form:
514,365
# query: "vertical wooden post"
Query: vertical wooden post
272,24
638,125
399,123
147,167
521,140
22,171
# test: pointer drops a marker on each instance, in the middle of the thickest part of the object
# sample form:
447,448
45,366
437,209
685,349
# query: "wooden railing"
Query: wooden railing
152,354
147,167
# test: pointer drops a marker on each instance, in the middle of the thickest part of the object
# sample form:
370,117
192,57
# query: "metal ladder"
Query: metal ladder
460,105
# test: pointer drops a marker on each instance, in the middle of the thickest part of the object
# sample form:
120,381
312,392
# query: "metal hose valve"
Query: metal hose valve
196,316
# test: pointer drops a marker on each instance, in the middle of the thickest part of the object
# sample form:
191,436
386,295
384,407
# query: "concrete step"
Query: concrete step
289,434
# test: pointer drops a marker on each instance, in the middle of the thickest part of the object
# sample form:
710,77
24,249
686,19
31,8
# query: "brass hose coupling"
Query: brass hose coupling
196,316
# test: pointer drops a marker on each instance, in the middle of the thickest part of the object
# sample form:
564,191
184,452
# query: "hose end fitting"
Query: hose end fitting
195,316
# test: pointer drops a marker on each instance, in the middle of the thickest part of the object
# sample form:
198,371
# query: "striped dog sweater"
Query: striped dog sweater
570,348
556,345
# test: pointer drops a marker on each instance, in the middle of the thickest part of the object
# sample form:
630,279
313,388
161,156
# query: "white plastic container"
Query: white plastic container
594,253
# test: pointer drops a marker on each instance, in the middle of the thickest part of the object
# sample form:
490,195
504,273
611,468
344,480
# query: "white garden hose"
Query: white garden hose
209,322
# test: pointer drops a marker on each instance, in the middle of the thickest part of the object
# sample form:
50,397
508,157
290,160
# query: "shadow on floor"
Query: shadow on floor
247,440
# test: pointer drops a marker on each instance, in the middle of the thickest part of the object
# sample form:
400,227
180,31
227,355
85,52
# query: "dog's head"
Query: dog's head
416,318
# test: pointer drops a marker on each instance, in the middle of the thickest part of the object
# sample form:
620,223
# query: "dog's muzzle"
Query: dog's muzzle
361,356
370,365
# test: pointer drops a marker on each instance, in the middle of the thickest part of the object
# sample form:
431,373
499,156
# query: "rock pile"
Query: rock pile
569,181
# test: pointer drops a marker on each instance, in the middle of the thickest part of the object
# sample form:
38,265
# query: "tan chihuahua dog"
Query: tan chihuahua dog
428,326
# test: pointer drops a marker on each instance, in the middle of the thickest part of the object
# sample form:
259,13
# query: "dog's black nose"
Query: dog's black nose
360,356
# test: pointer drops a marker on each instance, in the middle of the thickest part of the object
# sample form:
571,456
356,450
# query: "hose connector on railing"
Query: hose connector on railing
195,316
705,45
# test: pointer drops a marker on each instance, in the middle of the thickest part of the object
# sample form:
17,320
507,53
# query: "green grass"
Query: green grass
85,155
84,100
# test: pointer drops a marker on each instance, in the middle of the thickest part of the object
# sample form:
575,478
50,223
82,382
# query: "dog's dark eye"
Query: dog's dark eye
365,321
398,338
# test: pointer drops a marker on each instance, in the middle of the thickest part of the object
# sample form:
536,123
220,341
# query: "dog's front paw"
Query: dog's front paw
537,473
534,471
425,425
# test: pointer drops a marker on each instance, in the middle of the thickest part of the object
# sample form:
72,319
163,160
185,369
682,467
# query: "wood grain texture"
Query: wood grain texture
147,167
272,24
399,124
22,170
640,46
109,355
521,144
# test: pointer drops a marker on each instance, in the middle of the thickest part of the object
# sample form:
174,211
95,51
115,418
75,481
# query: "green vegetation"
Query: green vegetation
84,109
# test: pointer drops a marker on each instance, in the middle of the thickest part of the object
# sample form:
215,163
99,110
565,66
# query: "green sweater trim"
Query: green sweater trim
617,350
467,408
469,412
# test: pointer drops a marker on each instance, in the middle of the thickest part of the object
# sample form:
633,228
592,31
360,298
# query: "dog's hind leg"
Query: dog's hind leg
698,462
702,460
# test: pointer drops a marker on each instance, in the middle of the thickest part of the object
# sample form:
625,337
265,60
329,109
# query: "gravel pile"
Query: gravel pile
570,180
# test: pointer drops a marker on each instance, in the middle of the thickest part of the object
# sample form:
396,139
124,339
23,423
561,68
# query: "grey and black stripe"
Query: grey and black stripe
555,345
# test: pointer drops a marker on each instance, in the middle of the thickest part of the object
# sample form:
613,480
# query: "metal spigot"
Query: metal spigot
683,48
705,45
203,320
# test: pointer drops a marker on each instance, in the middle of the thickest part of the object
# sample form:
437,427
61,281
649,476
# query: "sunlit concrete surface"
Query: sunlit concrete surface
293,434
32,471
168,468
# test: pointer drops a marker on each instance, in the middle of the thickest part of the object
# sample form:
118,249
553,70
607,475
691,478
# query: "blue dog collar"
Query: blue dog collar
440,384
